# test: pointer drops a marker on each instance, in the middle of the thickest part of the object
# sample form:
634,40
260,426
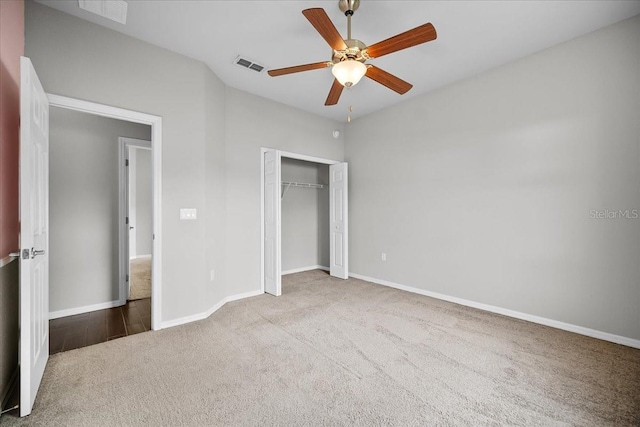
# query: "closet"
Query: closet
305,215
304,203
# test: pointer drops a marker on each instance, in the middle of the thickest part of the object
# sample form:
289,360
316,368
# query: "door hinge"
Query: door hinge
126,221
127,277
126,162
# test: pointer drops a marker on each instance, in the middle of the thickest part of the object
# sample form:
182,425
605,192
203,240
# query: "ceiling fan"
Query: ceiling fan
350,55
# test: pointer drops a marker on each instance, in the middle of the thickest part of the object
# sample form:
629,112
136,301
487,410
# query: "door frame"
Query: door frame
288,155
156,159
124,144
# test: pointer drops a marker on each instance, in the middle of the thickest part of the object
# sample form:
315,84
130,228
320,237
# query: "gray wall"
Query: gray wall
144,202
305,216
480,190
82,60
215,213
211,157
83,206
272,125
483,190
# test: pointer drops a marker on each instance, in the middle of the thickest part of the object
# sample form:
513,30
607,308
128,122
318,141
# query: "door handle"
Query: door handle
130,228
35,253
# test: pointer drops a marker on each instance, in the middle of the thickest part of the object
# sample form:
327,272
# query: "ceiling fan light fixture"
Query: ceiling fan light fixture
349,72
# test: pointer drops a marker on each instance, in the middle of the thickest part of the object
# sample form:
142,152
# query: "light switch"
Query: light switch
188,214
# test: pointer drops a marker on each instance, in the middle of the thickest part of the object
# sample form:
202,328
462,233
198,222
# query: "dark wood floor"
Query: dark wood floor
81,330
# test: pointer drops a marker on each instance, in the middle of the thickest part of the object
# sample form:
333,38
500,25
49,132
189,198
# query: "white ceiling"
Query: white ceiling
473,36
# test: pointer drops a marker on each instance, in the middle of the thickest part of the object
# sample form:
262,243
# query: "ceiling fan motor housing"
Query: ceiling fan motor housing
348,6
355,50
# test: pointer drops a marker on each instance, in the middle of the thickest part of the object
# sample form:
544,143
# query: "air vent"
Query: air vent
115,10
247,63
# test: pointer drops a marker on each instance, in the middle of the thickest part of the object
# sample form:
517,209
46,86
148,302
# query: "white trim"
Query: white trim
289,155
309,268
262,237
84,309
605,336
212,310
308,158
101,109
205,314
242,296
156,158
188,319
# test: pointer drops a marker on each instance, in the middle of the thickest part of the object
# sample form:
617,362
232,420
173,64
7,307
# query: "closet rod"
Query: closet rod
288,184
302,184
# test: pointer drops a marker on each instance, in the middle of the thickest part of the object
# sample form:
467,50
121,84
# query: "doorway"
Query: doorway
305,216
89,299
271,216
136,181
156,191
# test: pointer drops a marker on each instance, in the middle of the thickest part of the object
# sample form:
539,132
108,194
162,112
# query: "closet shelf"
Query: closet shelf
302,184
288,184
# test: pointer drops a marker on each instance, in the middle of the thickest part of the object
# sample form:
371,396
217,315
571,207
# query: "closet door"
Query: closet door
272,277
339,224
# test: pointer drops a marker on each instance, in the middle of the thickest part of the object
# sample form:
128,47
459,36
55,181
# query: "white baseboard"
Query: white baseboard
204,315
84,309
309,268
243,296
187,319
606,336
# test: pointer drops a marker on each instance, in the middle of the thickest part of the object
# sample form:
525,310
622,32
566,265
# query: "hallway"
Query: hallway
81,330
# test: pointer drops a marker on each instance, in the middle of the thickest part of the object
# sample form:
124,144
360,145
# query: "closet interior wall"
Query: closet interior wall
304,216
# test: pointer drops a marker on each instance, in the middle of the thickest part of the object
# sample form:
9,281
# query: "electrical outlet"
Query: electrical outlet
384,256
212,274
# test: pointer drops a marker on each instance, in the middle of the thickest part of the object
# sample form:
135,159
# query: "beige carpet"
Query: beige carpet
330,352
140,278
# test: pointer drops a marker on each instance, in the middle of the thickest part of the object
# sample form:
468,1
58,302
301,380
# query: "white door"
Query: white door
339,224
131,201
128,208
272,277
34,234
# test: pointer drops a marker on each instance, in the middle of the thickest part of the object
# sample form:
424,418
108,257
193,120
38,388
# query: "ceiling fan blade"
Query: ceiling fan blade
422,34
299,68
334,93
389,80
321,22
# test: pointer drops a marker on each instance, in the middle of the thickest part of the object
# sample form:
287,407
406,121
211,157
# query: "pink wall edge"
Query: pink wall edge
11,49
